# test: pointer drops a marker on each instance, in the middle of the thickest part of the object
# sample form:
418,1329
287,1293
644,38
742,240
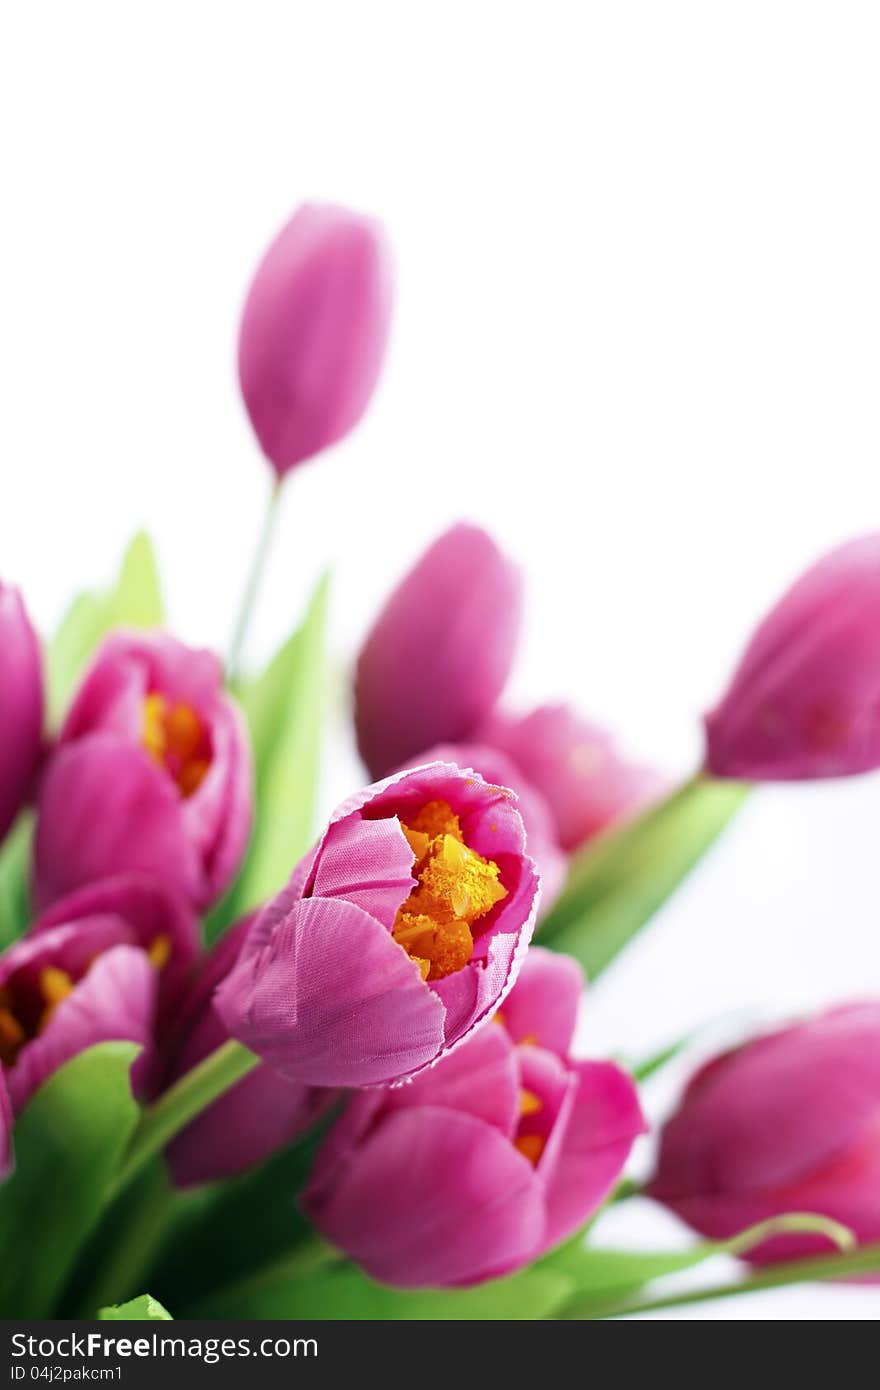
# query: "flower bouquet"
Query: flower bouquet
259,1066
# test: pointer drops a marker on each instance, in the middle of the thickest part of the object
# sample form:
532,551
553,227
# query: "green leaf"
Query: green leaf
602,1278
135,600
68,1143
143,1309
616,884
345,1292
15,863
284,710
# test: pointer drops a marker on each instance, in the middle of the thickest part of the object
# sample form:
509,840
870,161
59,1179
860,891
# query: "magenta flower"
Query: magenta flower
398,934
104,964
788,1122
494,766
152,774
21,705
488,1159
583,778
314,331
67,988
805,699
258,1115
440,651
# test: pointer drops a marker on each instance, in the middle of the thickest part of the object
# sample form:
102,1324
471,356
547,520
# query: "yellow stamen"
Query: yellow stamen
55,984
175,737
11,1036
529,1103
159,952
456,887
531,1146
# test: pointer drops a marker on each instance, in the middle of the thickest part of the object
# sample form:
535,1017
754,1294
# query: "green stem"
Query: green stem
134,1235
865,1260
188,1097
254,582
298,1264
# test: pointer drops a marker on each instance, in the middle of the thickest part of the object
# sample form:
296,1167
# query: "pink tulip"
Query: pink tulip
790,1122
64,989
440,651
494,766
805,699
21,705
105,964
397,935
259,1115
487,1160
314,331
586,782
152,774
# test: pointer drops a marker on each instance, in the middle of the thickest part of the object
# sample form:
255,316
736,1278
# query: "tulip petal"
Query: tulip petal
433,1198
481,1079
604,1122
543,1005
440,652
368,863
105,808
770,1113
332,1000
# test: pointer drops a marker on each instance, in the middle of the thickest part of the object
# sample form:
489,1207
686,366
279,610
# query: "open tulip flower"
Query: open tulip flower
151,774
397,935
486,1160
97,967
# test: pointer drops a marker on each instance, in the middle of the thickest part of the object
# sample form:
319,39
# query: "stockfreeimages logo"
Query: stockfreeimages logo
208,1349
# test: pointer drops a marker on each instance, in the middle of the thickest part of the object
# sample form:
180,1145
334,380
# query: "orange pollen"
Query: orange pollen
175,737
456,888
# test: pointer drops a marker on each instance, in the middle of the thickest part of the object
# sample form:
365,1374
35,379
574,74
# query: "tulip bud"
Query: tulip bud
397,936
576,767
486,1160
152,774
440,652
313,332
786,1123
258,1115
805,699
21,705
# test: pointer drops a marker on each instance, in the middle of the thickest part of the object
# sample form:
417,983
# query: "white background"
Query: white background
638,337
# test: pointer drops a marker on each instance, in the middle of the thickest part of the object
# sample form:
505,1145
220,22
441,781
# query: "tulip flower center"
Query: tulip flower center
30,997
456,887
176,738
27,1002
527,1140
